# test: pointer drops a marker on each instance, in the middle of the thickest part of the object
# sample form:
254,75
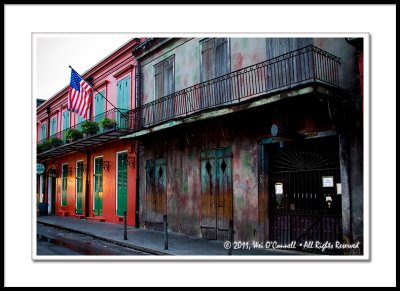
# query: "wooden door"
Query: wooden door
216,193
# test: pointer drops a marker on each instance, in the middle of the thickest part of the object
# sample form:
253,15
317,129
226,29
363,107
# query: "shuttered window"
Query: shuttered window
164,78
214,64
43,132
214,58
53,126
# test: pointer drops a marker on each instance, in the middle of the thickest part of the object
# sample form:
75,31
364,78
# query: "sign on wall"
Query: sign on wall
40,168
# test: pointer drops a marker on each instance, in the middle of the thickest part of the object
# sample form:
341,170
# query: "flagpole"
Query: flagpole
95,90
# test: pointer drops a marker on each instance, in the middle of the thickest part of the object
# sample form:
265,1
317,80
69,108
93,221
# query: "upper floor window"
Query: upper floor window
43,131
123,102
53,125
164,79
100,103
214,58
214,63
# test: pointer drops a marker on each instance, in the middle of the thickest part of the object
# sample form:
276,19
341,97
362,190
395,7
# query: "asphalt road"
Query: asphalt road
57,242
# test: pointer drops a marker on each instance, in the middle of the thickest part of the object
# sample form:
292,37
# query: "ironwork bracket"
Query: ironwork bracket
132,162
106,165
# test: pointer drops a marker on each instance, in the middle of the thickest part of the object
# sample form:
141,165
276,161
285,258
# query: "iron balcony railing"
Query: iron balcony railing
302,66
111,121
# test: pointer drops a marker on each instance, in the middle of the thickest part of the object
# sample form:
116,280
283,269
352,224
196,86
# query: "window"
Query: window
164,78
99,105
43,131
289,70
214,63
164,83
53,125
123,102
79,119
65,122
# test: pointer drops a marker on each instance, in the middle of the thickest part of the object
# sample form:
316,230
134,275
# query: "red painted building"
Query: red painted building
89,171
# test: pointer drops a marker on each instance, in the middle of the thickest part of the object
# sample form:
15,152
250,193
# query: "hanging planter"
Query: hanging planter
108,123
89,127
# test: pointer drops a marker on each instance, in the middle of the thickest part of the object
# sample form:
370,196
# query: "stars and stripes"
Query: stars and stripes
79,95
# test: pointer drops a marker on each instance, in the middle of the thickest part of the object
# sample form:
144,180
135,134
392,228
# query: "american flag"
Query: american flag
79,95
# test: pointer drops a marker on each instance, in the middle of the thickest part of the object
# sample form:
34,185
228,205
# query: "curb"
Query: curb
134,247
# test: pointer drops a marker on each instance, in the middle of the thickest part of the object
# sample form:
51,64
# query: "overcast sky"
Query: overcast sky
53,53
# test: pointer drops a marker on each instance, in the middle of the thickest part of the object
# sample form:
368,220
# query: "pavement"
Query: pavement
152,242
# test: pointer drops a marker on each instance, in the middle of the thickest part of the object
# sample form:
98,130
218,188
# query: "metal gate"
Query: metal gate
305,200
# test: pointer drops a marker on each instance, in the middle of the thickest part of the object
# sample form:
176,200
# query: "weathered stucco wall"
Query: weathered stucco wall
348,68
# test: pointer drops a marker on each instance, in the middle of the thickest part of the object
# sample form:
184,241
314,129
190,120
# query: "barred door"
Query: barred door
304,185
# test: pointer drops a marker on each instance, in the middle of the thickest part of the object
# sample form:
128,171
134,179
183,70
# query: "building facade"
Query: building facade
87,166
259,133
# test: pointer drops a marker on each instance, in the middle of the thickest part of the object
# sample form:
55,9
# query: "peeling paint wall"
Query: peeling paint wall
349,66
242,132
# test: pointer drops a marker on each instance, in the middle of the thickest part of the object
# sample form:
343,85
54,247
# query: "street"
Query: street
57,242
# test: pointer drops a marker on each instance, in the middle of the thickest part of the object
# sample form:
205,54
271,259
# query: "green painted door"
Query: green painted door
53,126
64,183
43,132
98,186
122,183
123,101
216,193
99,106
65,123
79,183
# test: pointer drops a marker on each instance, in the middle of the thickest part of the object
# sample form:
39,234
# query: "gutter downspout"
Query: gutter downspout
88,158
137,120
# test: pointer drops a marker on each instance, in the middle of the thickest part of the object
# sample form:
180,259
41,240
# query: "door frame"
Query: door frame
218,154
263,178
116,182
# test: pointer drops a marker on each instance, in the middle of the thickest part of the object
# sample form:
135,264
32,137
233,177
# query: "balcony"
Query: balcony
304,69
296,69
102,128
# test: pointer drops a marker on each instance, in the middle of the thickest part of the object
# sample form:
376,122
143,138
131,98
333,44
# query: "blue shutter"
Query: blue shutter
43,132
123,98
99,106
53,126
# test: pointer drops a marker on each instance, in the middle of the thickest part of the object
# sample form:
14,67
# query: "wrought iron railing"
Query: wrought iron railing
305,65
111,120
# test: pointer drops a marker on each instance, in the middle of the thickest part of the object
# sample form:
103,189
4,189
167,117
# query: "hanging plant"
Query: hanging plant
90,127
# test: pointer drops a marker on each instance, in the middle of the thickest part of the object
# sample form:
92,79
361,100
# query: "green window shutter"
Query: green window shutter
64,185
43,132
99,105
53,126
79,119
79,188
123,100
122,183
98,187
65,122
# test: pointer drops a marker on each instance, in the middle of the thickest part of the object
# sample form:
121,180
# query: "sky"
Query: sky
54,53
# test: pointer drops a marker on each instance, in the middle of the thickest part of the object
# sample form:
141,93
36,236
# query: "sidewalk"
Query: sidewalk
153,241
